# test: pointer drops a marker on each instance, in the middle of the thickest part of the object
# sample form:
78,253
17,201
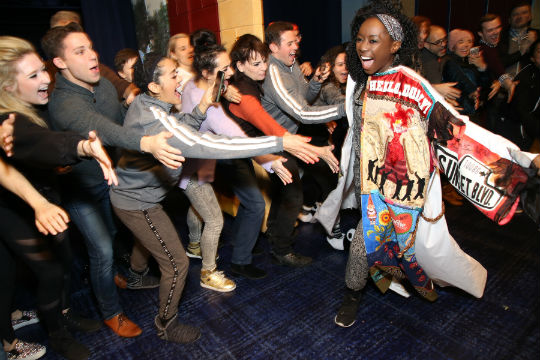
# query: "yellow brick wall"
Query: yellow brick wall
239,17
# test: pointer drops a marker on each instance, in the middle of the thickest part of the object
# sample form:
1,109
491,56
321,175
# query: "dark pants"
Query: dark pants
286,204
318,181
157,234
248,220
47,257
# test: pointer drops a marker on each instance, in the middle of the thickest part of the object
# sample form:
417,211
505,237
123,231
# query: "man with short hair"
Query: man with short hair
83,101
125,90
490,36
123,63
516,40
287,96
433,57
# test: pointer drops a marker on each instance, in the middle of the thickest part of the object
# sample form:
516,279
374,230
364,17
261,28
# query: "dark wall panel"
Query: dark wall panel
319,22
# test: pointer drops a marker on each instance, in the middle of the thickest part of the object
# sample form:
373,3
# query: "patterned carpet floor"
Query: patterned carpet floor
289,314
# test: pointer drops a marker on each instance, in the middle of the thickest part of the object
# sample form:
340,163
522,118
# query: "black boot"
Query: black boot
248,271
346,315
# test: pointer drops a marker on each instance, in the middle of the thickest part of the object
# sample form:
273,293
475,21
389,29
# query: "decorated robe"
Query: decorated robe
406,129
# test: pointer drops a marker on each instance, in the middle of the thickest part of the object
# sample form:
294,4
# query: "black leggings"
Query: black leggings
20,238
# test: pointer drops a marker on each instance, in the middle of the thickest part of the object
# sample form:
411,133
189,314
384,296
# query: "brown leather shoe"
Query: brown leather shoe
122,326
120,281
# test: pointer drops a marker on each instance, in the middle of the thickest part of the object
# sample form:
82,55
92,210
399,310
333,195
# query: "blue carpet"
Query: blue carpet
289,314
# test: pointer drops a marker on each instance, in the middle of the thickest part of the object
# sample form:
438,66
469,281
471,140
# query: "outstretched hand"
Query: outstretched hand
6,135
298,146
93,148
50,219
325,153
157,145
281,171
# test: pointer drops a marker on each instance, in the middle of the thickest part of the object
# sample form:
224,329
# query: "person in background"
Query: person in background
467,70
517,38
287,97
496,109
123,63
433,57
422,24
317,186
181,50
525,106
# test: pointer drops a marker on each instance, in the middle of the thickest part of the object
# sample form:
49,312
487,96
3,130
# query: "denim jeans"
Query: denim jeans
90,209
204,209
248,220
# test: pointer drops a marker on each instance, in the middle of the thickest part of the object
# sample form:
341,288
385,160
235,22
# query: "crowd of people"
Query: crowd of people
358,131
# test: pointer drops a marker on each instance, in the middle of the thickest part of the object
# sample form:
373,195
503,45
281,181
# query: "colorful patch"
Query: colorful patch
388,230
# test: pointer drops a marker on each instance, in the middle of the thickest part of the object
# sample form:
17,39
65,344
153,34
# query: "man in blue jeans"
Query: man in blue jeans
247,223
82,100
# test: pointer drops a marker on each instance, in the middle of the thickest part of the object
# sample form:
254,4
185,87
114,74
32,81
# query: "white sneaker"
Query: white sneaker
336,242
21,319
26,351
350,234
306,214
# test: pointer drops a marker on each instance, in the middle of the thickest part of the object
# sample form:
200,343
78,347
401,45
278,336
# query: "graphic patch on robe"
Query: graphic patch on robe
388,231
395,149
489,181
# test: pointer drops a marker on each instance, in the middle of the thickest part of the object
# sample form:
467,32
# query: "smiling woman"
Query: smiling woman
36,152
389,147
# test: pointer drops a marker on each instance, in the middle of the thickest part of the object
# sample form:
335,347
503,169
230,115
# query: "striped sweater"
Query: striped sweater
143,181
287,98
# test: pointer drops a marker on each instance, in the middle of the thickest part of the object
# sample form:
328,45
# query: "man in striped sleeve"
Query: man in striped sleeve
287,98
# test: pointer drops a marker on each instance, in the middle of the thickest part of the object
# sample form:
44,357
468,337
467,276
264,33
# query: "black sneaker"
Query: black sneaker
248,271
175,331
64,344
346,315
291,259
138,281
75,322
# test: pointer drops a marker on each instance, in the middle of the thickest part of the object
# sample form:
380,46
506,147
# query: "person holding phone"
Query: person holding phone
466,67
143,182
212,65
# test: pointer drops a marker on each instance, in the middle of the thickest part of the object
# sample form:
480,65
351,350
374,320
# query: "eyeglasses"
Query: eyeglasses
439,42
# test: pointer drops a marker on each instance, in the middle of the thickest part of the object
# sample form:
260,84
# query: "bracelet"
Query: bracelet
504,77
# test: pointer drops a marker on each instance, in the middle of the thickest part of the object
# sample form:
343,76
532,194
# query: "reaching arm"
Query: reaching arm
251,110
49,217
294,104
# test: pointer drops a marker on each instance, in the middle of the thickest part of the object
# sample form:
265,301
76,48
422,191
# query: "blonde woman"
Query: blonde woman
35,152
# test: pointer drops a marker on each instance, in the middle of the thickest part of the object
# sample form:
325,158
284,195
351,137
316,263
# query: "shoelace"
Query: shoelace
219,276
120,320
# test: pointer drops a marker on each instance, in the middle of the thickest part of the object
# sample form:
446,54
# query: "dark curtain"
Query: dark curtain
464,14
319,22
110,25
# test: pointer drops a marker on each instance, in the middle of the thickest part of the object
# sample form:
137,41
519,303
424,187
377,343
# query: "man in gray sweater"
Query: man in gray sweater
287,98
83,101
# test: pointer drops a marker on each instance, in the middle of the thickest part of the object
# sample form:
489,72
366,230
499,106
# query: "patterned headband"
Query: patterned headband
392,26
